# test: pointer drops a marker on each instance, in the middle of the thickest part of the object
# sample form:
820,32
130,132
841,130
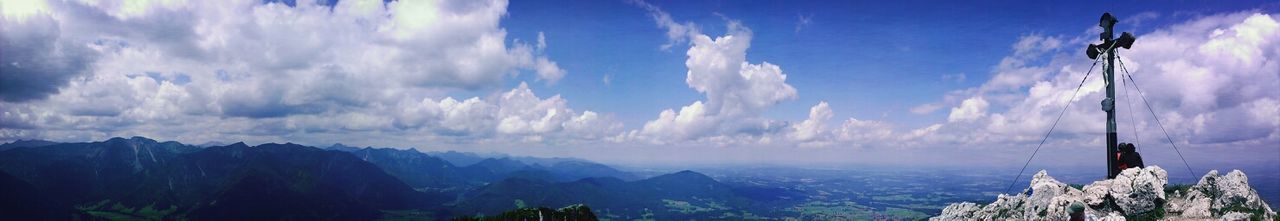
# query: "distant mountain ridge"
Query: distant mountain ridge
468,158
215,183
211,144
26,143
146,179
425,170
464,158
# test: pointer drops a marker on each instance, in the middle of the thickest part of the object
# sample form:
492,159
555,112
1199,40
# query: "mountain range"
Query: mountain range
142,179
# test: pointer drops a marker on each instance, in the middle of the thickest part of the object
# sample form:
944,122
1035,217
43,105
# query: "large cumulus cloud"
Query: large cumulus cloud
242,69
736,90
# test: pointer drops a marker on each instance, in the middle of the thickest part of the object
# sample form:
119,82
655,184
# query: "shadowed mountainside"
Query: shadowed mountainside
140,178
272,181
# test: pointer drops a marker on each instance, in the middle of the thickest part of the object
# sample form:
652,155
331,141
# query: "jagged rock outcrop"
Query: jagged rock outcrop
1227,196
1134,193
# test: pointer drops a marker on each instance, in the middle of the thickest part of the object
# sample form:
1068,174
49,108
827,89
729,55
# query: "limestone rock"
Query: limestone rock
1236,216
1134,192
958,211
1220,196
1005,207
1095,195
1138,191
1050,199
1111,217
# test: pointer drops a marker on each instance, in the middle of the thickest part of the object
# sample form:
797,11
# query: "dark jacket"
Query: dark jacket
1129,156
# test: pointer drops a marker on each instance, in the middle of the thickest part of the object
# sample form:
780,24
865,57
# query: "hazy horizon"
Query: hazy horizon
1078,164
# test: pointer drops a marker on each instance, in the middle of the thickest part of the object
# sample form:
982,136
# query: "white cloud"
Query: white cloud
718,68
523,113
736,90
926,108
864,132
691,122
970,110
1019,70
815,126
21,10
241,68
548,70
468,117
676,32
1209,68
542,42
591,126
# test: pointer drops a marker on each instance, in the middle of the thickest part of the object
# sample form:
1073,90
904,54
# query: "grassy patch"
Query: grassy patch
646,216
1177,188
834,211
684,207
1156,214
1254,214
736,216
905,214
119,211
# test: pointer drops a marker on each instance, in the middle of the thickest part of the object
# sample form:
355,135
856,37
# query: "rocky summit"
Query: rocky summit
1135,194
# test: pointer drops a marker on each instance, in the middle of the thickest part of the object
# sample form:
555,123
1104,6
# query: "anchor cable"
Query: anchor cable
1055,124
1153,114
1132,122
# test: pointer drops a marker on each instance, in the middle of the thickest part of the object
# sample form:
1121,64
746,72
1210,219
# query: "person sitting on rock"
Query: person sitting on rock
1127,157
1130,157
1120,165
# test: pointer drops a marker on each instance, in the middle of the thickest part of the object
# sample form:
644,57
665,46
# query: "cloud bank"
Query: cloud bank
1211,81
245,70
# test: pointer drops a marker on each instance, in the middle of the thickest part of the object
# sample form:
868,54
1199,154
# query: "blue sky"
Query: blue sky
846,51
720,82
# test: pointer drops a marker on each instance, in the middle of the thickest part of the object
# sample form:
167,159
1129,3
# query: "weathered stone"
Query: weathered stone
1050,198
1194,207
1112,217
1005,207
958,211
1217,196
1059,208
1139,190
1235,216
1095,194
1133,192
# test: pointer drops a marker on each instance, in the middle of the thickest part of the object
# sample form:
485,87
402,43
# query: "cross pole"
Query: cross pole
1109,46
